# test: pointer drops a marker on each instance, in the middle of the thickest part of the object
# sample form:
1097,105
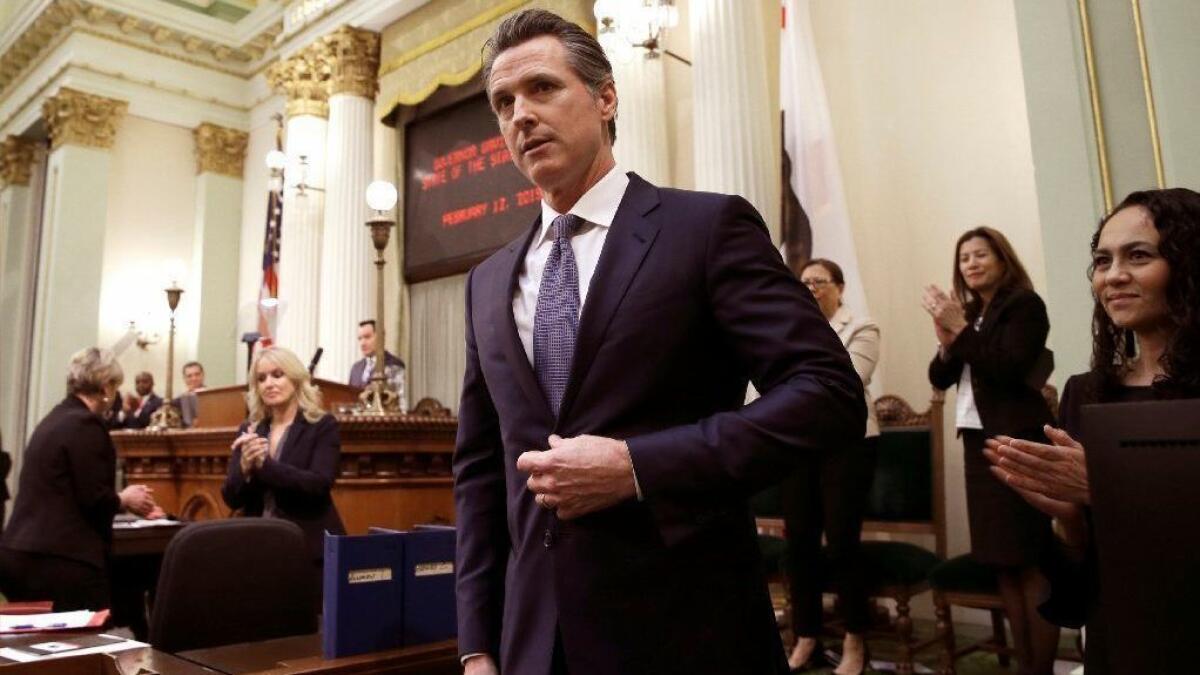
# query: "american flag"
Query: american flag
268,293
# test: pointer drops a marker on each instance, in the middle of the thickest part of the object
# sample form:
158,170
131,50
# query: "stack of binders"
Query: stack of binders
388,589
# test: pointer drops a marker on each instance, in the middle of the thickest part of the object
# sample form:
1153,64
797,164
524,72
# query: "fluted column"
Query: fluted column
304,80
17,246
347,279
220,159
82,129
734,149
642,138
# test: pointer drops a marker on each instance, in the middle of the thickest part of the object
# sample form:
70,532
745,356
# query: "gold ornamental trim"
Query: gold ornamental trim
16,160
220,150
1148,92
451,35
354,62
61,18
304,80
442,45
75,118
1085,28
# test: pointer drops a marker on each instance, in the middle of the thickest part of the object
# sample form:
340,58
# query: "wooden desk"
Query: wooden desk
128,662
302,654
395,469
226,406
129,541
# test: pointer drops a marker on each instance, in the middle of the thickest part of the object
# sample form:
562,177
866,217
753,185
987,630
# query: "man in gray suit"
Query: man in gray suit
360,372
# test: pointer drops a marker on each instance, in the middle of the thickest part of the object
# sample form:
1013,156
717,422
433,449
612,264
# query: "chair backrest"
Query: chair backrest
908,491
235,580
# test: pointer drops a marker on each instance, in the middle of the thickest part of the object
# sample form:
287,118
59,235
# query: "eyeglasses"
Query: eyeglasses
816,283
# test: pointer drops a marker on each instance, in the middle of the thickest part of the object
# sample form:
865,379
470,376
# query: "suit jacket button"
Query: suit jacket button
548,539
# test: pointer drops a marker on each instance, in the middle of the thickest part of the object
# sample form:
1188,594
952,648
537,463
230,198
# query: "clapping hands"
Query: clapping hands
254,451
949,318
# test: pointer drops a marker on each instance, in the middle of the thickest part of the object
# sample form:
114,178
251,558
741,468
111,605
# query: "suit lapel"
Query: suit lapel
506,325
625,247
292,437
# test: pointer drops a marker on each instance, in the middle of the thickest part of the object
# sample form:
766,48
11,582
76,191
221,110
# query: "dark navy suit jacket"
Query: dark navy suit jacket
689,301
300,481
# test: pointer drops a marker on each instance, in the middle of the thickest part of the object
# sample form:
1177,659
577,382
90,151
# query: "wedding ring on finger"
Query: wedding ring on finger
541,501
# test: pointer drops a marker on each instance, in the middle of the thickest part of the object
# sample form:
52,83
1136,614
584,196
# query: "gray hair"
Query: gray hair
584,53
91,370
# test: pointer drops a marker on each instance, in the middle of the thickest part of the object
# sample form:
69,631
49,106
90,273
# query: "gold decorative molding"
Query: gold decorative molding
1097,119
220,150
304,79
1148,91
63,17
75,118
454,33
16,160
441,44
354,62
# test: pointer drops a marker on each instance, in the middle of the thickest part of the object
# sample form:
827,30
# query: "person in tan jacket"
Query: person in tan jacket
828,494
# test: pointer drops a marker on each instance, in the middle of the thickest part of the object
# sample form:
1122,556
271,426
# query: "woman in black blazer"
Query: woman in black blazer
285,457
1146,346
57,543
992,345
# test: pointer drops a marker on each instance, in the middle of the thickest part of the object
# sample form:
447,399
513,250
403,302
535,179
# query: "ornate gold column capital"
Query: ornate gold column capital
16,160
354,59
73,117
304,79
220,150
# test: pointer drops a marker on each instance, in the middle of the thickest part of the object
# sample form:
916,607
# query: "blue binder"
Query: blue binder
363,594
429,602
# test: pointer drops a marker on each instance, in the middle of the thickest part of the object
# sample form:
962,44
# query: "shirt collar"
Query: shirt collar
597,206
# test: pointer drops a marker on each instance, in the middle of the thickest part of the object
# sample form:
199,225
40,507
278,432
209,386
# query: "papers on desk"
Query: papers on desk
37,647
139,523
31,623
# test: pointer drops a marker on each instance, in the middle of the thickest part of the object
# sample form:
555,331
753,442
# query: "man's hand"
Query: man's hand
580,475
481,664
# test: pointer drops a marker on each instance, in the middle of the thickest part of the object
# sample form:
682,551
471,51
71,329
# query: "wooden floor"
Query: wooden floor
883,652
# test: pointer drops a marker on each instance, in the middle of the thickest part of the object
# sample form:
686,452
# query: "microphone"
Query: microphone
312,365
250,339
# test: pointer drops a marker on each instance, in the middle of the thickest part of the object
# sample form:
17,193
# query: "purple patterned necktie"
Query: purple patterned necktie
556,318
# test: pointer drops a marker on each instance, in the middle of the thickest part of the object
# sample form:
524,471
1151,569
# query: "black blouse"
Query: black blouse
1074,595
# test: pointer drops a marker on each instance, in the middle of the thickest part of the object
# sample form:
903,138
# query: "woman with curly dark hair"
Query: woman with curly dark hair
1146,346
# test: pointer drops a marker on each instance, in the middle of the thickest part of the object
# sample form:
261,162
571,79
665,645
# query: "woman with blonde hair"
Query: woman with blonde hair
58,542
285,456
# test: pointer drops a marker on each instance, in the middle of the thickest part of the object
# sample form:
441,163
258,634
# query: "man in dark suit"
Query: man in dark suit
604,457
138,409
360,372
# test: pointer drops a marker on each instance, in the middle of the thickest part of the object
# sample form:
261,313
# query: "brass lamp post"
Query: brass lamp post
379,398
167,417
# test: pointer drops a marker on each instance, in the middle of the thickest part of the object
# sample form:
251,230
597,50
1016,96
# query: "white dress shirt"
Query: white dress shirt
598,207
965,413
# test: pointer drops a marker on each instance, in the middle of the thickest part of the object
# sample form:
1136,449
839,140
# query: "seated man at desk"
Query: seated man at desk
360,372
138,409
193,379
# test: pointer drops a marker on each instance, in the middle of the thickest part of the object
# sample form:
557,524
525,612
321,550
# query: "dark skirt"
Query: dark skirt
1005,530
